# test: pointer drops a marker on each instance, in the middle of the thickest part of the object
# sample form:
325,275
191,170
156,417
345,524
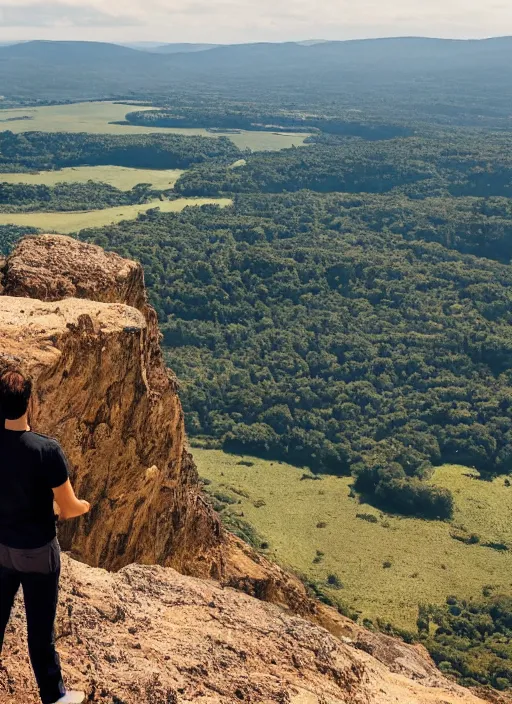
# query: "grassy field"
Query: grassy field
65,223
426,563
118,176
96,118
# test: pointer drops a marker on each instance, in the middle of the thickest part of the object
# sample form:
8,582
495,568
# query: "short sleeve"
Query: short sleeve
56,466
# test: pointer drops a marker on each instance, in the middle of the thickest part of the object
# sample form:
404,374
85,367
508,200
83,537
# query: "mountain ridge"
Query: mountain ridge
356,72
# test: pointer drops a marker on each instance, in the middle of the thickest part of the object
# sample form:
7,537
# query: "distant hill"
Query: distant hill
141,46
432,76
182,48
177,48
51,52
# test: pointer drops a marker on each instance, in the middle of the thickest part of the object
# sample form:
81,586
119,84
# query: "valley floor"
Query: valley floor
424,563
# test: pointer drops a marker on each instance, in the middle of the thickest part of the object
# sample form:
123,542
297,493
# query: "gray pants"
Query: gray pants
43,560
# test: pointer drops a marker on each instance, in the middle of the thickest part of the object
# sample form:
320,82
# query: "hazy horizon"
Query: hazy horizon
149,42
243,21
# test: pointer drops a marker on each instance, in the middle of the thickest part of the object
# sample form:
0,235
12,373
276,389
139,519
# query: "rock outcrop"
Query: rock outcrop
77,318
103,391
148,635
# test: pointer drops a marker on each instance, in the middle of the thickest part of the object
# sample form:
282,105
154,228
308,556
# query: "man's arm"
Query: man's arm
69,505
57,473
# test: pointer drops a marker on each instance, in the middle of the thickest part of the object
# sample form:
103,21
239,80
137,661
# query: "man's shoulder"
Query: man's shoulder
39,440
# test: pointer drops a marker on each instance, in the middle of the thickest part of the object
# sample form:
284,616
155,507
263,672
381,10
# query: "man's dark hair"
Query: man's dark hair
15,393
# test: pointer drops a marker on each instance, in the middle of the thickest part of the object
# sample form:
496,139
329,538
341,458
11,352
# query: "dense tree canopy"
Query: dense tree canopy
471,639
10,234
302,330
249,117
453,164
44,150
21,197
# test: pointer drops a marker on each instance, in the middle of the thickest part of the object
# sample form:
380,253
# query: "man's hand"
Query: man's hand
69,505
86,504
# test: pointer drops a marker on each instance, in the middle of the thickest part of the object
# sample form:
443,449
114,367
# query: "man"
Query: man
33,473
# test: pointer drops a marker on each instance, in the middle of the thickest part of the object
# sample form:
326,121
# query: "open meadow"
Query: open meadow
118,176
96,118
385,564
68,222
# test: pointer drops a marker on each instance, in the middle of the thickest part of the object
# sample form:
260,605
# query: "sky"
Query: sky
230,21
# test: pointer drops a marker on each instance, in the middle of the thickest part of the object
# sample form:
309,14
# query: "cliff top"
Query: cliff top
53,267
149,635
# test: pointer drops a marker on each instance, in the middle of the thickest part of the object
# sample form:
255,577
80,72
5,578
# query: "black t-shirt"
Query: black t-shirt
31,465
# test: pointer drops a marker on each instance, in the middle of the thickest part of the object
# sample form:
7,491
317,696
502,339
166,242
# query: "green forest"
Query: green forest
10,234
433,81
334,331
471,640
249,117
20,198
38,151
350,313
453,163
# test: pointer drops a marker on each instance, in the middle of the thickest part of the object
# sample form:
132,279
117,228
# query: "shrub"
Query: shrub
225,498
496,546
318,557
334,581
239,492
472,539
412,497
369,517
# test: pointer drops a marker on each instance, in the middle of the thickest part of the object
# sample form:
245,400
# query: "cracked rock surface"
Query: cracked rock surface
149,635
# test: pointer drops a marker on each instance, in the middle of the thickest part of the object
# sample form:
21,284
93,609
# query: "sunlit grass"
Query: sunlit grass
65,223
427,564
119,176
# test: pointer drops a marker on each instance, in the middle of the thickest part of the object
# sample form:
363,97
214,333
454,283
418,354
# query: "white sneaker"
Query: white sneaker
71,697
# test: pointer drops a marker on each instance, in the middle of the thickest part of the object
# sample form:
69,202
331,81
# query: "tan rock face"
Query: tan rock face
53,267
148,635
103,391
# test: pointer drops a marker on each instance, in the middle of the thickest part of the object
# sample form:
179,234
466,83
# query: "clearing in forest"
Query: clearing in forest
96,118
121,177
385,564
68,222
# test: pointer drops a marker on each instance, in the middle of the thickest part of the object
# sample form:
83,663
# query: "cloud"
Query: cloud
59,14
252,20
